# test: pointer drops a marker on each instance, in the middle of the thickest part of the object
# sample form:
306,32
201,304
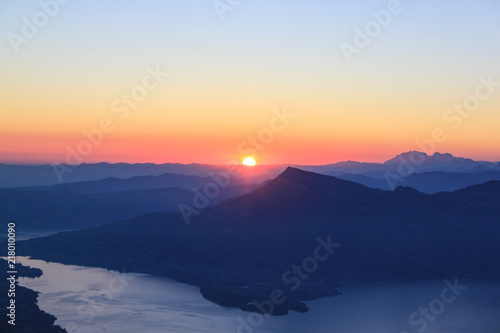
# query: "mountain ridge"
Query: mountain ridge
41,175
384,235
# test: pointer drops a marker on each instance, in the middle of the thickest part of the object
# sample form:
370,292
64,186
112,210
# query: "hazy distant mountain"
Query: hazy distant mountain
24,176
238,251
437,162
38,175
344,167
373,182
426,173
113,184
42,175
86,206
409,162
429,182
66,210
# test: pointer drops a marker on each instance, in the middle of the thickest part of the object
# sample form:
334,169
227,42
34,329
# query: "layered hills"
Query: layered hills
303,234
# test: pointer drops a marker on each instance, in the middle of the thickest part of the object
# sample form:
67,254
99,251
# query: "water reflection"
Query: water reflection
97,300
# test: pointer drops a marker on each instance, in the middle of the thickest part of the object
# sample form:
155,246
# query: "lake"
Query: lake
98,300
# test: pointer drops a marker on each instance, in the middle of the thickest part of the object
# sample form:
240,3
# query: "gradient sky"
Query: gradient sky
227,77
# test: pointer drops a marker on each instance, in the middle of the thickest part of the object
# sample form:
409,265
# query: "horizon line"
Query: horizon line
22,163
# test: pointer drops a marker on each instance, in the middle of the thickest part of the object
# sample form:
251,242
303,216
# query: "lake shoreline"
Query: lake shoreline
28,315
165,303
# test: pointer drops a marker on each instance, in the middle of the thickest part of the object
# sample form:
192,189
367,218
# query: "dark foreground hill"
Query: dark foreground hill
299,237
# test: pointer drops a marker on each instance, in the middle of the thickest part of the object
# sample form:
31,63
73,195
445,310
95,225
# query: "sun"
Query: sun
249,161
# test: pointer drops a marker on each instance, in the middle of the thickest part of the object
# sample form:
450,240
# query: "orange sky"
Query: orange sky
226,78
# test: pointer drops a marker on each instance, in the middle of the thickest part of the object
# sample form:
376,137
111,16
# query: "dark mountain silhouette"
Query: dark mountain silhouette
238,251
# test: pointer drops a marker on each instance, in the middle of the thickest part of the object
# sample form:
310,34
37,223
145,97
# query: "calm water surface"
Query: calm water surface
97,300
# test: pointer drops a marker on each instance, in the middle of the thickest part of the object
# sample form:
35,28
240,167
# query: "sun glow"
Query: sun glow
249,161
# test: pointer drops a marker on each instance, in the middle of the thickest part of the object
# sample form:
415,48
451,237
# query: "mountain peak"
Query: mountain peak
414,155
292,171
444,157
436,154
299,175
435,162
292,179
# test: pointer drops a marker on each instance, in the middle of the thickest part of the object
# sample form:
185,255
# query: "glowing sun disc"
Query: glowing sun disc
249,161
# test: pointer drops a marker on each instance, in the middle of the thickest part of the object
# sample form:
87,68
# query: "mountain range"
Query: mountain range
427,182
409,162
79,204
84,204
242,250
